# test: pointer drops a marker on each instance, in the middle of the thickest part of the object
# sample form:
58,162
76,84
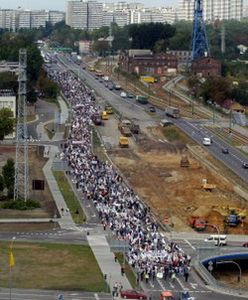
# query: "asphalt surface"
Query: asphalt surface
19,294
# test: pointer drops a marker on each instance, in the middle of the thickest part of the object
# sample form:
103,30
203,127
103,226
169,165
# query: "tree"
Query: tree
9,176
101,47
2,185
7,122
217,89
145,36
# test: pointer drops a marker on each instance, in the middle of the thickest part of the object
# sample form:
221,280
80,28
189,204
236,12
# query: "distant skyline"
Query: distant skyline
61,4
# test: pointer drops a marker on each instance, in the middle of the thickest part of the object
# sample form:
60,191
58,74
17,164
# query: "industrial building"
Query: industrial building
144,62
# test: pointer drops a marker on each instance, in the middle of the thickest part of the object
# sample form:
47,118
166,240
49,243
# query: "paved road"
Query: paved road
18,294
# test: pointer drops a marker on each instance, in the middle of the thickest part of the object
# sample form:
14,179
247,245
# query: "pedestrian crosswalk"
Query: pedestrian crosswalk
176,285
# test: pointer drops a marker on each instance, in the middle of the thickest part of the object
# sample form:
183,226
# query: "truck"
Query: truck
124,127
173,112
109,109
134,128
142,99
104,115
123,142
198,223
148,79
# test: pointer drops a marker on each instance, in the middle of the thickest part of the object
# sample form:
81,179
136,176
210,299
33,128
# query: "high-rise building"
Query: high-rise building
26,19
56,16
95,15
212,10
8,19
39,18
77,14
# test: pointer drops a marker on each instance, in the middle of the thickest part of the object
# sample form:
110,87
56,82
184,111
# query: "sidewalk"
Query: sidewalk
64,116
106,262
66,220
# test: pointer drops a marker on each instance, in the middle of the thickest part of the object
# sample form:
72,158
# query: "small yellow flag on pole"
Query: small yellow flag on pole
11,259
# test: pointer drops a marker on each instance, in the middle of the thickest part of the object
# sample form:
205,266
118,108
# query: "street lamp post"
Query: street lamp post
232,262
10,266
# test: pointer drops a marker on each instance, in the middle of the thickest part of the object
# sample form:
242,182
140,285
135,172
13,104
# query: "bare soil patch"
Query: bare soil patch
153,170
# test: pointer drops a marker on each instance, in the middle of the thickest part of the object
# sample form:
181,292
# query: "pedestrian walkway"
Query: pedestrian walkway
106,262
66,219
64,116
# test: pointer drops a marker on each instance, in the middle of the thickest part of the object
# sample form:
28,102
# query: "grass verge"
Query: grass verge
173,134
52,266
70,198
128,271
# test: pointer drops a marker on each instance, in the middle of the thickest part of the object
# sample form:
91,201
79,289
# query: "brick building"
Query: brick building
144,62
206,66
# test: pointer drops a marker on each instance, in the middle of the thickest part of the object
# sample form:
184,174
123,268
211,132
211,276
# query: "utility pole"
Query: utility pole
223,38
21,188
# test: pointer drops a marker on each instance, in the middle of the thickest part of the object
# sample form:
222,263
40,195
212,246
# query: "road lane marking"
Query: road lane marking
96,296
187,242
180,283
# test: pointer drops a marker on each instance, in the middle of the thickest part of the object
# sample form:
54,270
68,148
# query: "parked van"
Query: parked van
217,239
207,141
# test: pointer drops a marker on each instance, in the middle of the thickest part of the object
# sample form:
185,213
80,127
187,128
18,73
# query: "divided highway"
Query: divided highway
234,160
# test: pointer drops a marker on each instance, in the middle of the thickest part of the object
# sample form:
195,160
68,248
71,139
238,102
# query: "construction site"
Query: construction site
180,185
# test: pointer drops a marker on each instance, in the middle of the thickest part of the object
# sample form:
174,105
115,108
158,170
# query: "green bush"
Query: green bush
21,205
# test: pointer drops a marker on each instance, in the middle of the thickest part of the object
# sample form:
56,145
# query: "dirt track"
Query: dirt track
153,169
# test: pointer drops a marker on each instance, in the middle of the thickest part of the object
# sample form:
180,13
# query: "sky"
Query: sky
60,4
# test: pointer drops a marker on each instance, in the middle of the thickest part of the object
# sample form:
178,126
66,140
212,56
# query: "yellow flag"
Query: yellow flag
11,259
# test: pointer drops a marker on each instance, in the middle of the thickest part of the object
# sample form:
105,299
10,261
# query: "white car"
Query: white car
123,95
207,141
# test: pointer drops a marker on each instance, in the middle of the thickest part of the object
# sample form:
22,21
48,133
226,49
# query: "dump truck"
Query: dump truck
124,127
173,112
104,115
109,109
134,128
198,223
142,99
123,142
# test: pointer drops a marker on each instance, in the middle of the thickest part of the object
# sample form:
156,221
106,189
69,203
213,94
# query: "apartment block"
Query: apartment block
212,10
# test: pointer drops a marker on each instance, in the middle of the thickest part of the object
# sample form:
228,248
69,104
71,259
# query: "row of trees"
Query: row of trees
158,36
10,43
219,89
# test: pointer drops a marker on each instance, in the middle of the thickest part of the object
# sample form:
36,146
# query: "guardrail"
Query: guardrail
213,284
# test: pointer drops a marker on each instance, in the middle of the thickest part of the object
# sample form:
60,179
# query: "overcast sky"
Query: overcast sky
60,4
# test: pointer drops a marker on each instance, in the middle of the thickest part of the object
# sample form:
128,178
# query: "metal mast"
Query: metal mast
21,191
200,47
